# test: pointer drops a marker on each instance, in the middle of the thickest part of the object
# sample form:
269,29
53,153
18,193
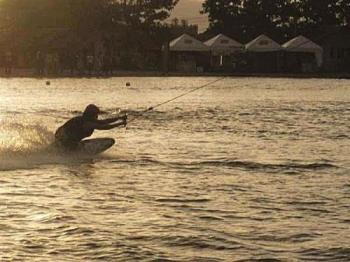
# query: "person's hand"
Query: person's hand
124,119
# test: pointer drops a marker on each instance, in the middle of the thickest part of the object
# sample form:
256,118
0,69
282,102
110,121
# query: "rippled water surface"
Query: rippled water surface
248,169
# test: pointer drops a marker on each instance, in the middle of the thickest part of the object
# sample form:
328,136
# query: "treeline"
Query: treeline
83,15
29,21
280,19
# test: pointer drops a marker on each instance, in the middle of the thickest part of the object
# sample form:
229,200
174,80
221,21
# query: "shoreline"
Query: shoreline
29,73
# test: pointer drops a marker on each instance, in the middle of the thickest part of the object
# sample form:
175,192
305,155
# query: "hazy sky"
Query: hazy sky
189,10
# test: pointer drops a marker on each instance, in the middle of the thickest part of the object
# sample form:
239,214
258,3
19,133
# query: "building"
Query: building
335,42
302,55
222,52
264,55
188,54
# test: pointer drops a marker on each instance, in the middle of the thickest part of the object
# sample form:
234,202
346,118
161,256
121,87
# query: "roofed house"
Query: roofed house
188,54
336,48
264,55
223,50
302,55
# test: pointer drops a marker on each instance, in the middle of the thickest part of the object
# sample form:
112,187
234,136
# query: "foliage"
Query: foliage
82,18
34,13
245,19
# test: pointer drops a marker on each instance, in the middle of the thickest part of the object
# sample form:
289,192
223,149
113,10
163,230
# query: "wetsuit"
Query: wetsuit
72,132
68,136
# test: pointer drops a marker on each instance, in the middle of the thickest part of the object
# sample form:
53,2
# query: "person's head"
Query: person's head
91,112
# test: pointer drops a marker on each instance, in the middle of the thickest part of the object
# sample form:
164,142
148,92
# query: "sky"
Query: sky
189,10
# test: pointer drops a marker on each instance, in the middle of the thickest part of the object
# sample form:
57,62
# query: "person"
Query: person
68,136
90,63
8,63
40,63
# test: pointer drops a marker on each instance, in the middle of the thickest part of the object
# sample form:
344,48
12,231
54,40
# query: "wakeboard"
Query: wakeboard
94,146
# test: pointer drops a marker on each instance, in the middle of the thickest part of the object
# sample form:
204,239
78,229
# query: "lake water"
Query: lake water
247,169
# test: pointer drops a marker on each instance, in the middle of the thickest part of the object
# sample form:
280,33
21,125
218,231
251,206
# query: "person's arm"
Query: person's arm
100,125
109,126
112,120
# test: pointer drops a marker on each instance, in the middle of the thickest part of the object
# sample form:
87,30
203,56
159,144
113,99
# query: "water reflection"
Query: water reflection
249,169
82,170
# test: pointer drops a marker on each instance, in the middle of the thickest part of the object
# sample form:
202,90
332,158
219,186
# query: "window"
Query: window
188,41
263,42
224,41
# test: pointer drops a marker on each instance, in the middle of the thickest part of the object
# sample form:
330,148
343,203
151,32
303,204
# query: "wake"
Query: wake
26,146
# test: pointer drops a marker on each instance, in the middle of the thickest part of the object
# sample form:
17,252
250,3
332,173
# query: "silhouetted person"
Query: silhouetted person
90,63
8,63
40,63
80,64
99,64
49,63
71,62
56,63
68,136
107,64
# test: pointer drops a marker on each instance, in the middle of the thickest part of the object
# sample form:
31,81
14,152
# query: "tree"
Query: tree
281,19
325,13
82,18
144,11
85,13
28,14
244,19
